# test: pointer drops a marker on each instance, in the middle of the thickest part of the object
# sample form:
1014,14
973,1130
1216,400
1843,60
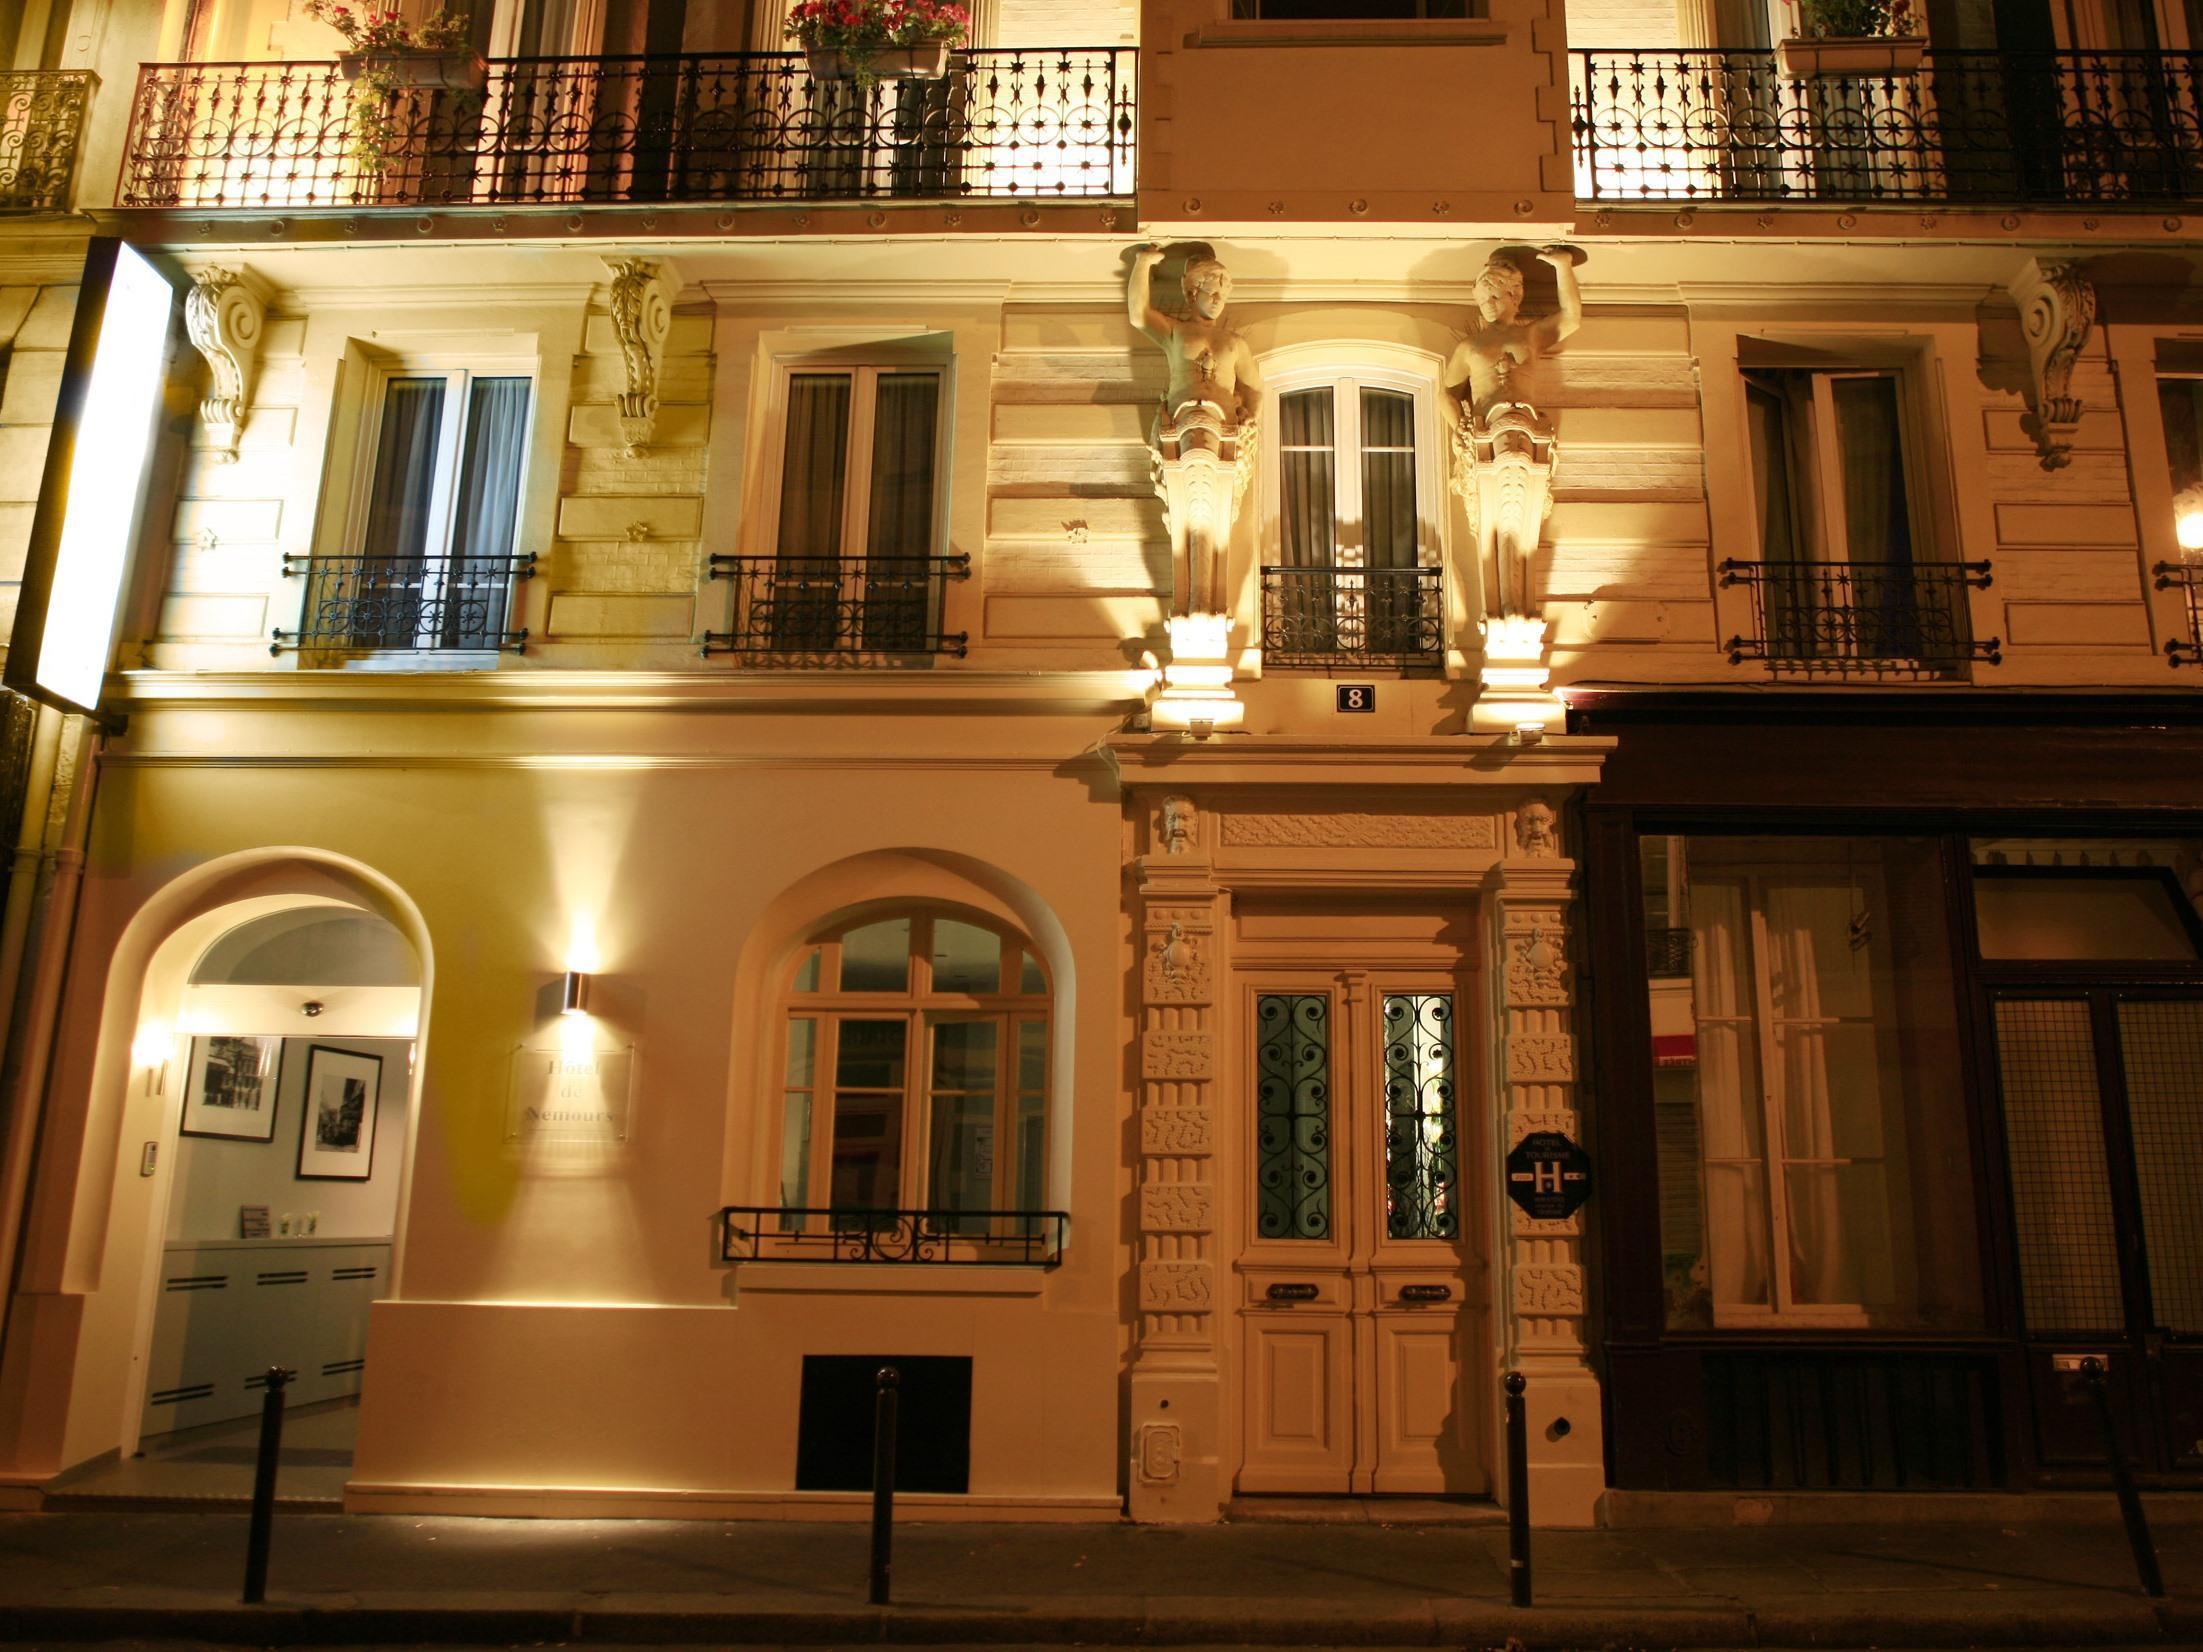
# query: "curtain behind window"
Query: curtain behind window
1307,478
1779,415
899,539
1388,478
805,592
1876,522
387,596
486,515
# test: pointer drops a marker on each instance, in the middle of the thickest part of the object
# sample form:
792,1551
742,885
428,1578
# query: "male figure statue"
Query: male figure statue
1204,432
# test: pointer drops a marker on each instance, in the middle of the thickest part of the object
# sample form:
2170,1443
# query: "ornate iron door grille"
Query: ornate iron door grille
2068,126
1354,617
970,1238
732,126
446,603
1854,619
821,609
41,125
2187,578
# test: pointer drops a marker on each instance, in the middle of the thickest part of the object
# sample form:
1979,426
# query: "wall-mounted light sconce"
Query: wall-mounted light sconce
151,1050
574,997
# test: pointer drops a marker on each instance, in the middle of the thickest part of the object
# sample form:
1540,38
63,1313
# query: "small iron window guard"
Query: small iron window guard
1860,619
1667,953
850,1233
2187,578
1354,616
447,604
41,128
812,610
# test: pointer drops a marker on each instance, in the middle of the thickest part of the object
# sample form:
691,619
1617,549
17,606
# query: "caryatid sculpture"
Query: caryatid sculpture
1204,435
1503,446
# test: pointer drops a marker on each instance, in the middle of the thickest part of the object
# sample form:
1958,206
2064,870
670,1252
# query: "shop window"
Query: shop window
435,557
1806,1093
915,1075
2091,900
1846,576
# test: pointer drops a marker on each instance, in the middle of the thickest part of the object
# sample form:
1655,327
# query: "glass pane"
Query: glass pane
807,972
2053,1130
2180,401
1419,1136
906,422
2107,915
868,1055
1307,478
1817,934
1770,434
963,1156
1030,977
1293,1116
963,1055
802,1052
403,490
2162,1045
1032,1153
1388,478
1032,1056
966,958
1831,1091
868,1150
876,958
491,458
795,1150
1876,525
1839,1236
1736,1215
815,469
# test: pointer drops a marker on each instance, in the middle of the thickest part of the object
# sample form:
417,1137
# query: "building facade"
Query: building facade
1025,721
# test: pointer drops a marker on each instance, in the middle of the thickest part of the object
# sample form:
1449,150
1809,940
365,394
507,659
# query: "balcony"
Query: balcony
1859,620
41,124
2187,579
2055,128
822,610
442,604
968,1238
623,130
1356,617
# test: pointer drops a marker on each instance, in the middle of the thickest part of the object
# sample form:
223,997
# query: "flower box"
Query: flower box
1808,57
927,62
440,71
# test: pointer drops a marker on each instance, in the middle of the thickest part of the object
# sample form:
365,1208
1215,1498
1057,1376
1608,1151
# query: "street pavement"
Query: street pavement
400,1579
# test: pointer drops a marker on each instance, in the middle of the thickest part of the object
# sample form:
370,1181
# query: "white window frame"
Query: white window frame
1347,379
457,376
865,368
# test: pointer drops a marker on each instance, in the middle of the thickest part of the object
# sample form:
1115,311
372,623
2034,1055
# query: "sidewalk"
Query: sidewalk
471,1581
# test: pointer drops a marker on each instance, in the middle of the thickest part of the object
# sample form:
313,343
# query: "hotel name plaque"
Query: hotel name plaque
570,1096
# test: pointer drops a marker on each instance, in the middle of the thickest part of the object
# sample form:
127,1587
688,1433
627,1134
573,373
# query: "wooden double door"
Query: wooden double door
1360,1277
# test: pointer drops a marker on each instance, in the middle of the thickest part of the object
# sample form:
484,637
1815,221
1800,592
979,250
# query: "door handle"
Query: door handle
1291,1293
1426,1293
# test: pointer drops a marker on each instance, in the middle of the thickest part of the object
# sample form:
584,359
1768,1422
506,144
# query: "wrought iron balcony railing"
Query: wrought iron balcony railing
808,610
41,124
1354,616
971,1238
441,603
2187,578
554,131
1860,619
1997,127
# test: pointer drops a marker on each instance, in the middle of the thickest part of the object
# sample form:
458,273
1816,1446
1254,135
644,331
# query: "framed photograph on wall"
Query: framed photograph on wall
231,1089
336,1138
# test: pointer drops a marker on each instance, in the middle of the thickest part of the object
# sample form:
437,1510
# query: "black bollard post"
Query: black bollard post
883,1480
1518,1490
2130,1501
263,1487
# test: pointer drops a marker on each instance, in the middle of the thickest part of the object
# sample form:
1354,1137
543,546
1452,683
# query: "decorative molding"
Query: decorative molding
1177,1207
1525,1226
1178,1287
225,319
1541,1058
1529,1121
1161,1451
1178,970
1360,829
1537,968
642,316
1548,1288
1188,1132
2057,307
1177,1054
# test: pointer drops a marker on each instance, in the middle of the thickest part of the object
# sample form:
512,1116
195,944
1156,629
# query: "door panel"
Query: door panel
1420,1443
1299,1435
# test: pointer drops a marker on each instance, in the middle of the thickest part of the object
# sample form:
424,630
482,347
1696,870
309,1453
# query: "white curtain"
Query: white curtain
1729,1118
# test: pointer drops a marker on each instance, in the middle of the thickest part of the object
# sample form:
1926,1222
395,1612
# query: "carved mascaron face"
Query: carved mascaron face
1208,289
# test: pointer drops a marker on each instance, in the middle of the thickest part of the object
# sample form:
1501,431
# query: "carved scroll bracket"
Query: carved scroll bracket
225,315
2057,307
643,290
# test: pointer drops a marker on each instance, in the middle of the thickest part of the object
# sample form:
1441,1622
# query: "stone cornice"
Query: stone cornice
1250,760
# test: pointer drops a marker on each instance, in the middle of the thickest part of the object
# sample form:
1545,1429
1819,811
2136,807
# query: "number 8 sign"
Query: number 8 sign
1357,696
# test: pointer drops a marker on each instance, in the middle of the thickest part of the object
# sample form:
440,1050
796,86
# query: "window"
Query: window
1355,576
915,1074
1807,1099
443,511
857,517
1352,11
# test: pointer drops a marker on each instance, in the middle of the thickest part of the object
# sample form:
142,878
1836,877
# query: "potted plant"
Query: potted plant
1853,37
869,40
389,61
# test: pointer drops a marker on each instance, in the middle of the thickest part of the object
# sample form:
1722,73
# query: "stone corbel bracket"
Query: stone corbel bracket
643,290
226,314
2057,307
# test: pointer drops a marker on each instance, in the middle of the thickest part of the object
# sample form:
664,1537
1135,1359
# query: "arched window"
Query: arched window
914,1068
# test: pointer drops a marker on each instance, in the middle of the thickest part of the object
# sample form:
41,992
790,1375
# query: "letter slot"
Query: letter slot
1292,1293
1426,1293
